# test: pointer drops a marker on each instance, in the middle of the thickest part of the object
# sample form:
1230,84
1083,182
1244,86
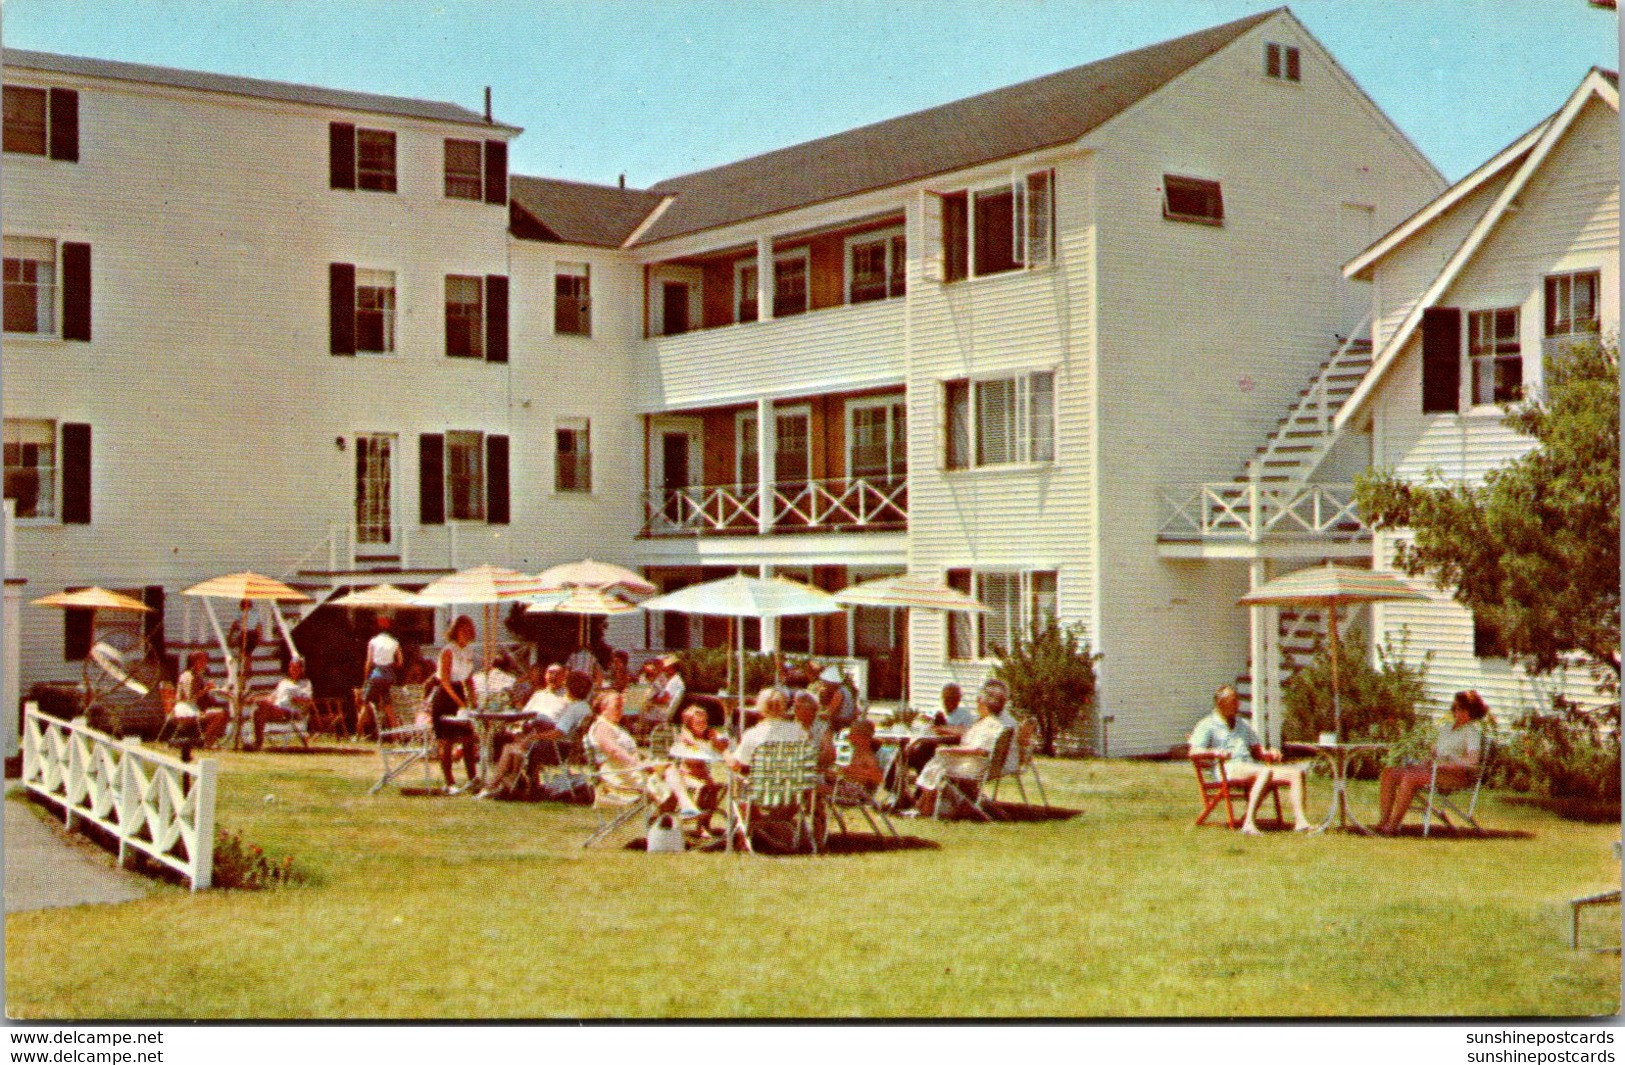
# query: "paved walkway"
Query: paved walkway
46,867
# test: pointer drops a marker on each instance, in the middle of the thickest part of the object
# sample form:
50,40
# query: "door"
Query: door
375,533
674,473
674,307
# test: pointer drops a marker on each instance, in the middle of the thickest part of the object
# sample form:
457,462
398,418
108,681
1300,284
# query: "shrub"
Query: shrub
1379,701
1051,675
1569,753
246,866
707,669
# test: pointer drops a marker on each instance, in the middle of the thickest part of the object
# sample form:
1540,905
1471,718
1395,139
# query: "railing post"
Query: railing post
203,849
126,804
1254,474
766,450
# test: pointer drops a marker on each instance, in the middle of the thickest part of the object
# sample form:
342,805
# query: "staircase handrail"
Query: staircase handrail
1315,401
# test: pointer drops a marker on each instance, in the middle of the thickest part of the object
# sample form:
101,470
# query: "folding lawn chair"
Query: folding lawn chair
782,786
404,746
1439,799
1217,787
968,775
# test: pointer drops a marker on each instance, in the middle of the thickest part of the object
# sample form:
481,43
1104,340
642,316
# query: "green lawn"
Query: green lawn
439,907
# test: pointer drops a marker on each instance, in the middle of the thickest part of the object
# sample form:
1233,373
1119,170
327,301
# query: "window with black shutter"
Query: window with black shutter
432,479
78,629
341,308
1441,360
496,172
341,155
65,125
496,479
42,122
75,291
496,318
75,473
955,236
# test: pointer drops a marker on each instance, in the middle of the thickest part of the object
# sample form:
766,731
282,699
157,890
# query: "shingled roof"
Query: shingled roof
573,212
267,90
1055,109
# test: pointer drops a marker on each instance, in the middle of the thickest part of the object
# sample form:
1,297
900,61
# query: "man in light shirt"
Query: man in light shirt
1247,762
548,701
292,700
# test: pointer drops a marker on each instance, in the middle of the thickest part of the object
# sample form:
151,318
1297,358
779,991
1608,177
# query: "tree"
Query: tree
1051,675
1534,550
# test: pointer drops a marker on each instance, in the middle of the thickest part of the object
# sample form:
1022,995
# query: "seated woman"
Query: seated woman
1455,754
690,778
197,698
621,769
977,743
863,771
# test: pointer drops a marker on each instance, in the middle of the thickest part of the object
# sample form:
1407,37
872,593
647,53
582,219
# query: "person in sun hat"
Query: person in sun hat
836,698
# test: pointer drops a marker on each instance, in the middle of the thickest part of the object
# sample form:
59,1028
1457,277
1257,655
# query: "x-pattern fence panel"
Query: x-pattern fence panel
836,503
1237,510
151,802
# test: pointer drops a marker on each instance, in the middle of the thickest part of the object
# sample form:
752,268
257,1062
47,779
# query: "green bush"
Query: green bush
1051,675
245,866
1379,701
1568,753
706,669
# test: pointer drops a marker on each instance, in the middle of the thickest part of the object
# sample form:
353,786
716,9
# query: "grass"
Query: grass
449,908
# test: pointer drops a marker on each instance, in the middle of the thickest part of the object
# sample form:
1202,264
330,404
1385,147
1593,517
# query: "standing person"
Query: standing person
667,701
1456,752
382,669
1247,760
449,695
243,638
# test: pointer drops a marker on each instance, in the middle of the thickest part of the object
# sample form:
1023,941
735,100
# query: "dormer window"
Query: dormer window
1281,62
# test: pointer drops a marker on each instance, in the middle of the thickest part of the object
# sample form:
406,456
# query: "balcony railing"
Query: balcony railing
1251,511
842,504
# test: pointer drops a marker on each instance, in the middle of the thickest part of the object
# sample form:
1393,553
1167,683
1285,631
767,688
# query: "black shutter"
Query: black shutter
65,125
955,236
496,479
496,172
341,308
341,152
496,319
1441,359
75,473
153,596
432,479
75,291
77,631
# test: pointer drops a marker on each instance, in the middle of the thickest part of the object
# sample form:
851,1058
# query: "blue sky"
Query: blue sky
661,87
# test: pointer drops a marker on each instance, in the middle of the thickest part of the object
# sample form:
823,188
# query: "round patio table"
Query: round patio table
486,725
1338,756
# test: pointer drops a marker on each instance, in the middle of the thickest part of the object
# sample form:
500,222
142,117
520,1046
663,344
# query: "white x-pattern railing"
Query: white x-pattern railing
1252,510
151,802
836,503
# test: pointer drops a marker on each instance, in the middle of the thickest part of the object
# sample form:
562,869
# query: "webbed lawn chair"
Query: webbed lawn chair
1026,745
402,747
619,794
968,775
1438,796
781,787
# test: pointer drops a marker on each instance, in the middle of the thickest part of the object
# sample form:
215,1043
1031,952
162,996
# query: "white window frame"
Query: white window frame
743,476
394,160
582,428
742,290
1027,607
479,316
1566,278
481,474
890,404
1171,215
1026,418
362,276
49,494
1471,362
48,298
584,272
478,174
663,275
889,239
1032,230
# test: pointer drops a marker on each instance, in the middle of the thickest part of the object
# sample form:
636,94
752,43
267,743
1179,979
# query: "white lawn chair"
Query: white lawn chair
402,747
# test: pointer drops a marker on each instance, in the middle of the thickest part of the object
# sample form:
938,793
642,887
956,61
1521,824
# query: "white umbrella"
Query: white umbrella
908,591
589,573
746,597
381,596
481,586
1330,586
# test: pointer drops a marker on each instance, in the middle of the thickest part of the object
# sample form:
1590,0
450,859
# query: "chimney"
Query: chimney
623,179
488,103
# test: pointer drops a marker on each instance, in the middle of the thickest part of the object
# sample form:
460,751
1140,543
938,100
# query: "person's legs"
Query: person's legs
444,750
1408,782
1294,786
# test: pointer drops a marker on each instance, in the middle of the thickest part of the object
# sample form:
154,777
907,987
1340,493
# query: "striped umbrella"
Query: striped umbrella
592,574
908,591
382,596
482,586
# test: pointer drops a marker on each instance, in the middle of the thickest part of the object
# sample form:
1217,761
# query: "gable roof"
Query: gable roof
574,212
1598,82
1047,111
286,92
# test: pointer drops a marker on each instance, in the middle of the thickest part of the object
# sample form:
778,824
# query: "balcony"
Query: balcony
837,349
1240,517
844,504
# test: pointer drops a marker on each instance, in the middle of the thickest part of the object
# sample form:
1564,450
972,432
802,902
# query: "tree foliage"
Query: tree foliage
1378,700
1051,675
1534,550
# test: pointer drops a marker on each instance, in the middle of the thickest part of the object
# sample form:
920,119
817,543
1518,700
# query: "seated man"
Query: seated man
292,700
1246,760
776,725
977,743
819,728
863,771
556,724
550,698
950,724
836,699
491,683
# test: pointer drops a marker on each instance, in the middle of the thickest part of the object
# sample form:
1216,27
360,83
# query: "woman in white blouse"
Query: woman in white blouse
1455,754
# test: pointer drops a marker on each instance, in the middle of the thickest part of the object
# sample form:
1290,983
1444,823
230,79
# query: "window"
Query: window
361,158
1281,61
477,170
789,286
1000,421
572,299
477,317
792,446
31,466
42,122
1018,604
572,456
374,310
676,299
1186,199
1571,305
463,476
30,285
878,439
1494,356
48,476
876,267
998,229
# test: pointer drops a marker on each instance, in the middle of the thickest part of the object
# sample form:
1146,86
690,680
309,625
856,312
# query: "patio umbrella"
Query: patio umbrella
239,587
481,586
380,596
1329,587
592,574
587,602
908,591
746,597
104,655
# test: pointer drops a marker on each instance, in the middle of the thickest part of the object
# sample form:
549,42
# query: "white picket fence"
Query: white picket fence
153,803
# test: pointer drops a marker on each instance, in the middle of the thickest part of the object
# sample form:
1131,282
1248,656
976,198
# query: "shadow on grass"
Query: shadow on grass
1460,832
838,843
1019,811
1587,811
